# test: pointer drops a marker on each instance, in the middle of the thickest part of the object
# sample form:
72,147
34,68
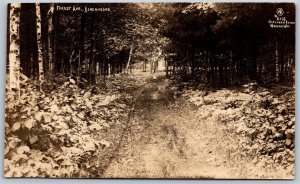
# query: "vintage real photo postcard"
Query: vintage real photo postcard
150,90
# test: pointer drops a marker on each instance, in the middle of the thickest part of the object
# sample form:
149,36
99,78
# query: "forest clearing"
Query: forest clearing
170,90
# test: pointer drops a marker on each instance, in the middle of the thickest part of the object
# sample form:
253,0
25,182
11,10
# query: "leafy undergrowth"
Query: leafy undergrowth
262,118
66,131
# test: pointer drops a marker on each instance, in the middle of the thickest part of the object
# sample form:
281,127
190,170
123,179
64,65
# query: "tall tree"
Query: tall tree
39,43
50,36
14,47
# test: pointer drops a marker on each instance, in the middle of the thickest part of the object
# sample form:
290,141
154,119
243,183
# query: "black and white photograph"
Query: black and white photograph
196,90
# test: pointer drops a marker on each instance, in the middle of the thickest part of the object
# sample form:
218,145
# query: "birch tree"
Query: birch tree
50,36
39,42
14,47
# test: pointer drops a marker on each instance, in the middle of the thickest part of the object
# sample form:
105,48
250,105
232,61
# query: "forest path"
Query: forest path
168,139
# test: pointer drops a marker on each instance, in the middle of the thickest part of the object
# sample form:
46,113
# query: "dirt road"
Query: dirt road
169,139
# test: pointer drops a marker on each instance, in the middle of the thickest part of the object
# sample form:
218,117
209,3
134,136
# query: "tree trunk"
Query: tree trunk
208,71
221,71
91,69
14,47
254,63
81,42
259,70
193,61
231,68
166,67
8,38
214,71
240,68
276,61
151,66
144,66
50,37
281,74
71,59
44,8
39,43
129,58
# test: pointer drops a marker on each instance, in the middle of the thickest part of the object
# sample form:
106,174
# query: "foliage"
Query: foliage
263,118
56,134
